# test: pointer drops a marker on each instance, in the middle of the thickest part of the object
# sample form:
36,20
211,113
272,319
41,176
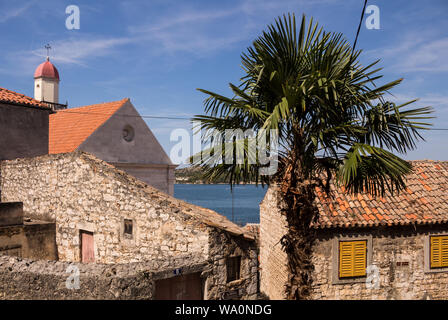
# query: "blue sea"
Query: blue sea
246,199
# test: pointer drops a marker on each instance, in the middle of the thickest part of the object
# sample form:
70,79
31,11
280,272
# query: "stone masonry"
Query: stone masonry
82,193
27,279
397,255
273,260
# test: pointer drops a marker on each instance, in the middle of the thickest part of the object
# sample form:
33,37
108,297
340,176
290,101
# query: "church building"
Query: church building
113,131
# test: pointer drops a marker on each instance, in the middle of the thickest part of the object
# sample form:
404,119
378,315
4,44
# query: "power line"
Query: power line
168,117
126,115
359,26
356,40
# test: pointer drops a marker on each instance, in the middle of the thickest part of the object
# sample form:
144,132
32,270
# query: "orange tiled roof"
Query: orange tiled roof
71,127
8,96
425,201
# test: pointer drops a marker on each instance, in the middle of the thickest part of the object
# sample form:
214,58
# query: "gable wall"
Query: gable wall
78,193
158,176
143,157
107,141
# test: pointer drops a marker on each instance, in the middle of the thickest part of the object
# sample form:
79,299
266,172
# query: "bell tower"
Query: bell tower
46,81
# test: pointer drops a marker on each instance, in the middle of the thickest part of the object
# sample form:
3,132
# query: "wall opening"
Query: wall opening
233,268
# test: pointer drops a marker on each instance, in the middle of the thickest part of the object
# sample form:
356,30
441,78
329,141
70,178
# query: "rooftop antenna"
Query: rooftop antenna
48,47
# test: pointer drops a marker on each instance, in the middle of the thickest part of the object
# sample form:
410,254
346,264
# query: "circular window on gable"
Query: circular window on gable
128,133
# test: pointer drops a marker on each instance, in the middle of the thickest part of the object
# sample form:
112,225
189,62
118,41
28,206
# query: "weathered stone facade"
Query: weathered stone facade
28,279
222,246
33,240
273,260
398,255
82,193
28,239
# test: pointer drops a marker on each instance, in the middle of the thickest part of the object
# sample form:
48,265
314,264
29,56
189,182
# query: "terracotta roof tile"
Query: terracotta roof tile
425,200
8,96
71,127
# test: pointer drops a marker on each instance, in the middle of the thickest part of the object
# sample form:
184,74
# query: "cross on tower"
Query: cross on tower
48,47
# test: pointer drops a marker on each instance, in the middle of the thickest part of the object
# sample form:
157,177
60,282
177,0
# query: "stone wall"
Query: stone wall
29,279
273,260
158,176
398,253
222,246
34,240
80,192
39,242
25,237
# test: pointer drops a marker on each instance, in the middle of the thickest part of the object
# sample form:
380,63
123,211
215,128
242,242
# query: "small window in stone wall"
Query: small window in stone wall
128,228
233,268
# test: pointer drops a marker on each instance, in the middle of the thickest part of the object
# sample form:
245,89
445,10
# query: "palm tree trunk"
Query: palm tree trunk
298,196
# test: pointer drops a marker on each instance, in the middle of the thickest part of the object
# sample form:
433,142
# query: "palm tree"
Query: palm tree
334,125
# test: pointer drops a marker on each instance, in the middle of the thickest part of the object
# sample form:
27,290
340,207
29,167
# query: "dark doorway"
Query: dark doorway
183,287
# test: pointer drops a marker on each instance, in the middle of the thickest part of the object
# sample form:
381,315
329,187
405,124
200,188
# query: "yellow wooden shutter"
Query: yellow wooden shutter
352,258
439,252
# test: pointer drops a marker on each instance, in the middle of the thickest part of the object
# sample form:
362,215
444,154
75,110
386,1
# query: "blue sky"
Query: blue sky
158,52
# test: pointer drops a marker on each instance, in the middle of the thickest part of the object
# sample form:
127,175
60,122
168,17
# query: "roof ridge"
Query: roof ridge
69,128
98,104
29,101
207,216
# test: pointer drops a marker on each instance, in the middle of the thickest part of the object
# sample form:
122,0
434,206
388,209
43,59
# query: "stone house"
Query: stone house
106,216
391,247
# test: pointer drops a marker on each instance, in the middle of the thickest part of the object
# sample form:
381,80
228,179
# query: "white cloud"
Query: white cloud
429,57
11,13
416,53
71,51
201,31
429,99
76,51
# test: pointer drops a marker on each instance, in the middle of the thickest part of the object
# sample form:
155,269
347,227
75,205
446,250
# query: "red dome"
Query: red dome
46,70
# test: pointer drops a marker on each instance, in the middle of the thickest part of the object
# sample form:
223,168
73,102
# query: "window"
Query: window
233,268
128,133
352,258
439,252
127,230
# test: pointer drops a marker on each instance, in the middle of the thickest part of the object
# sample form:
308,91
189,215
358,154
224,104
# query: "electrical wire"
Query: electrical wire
168,117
